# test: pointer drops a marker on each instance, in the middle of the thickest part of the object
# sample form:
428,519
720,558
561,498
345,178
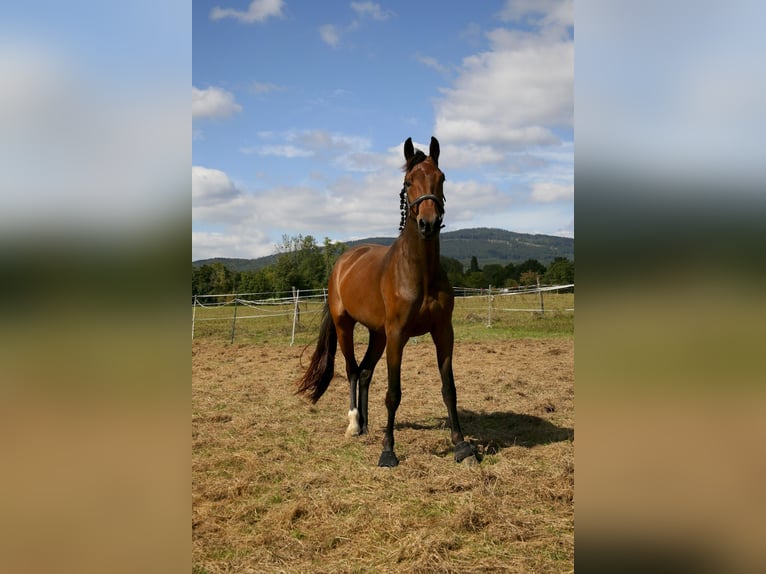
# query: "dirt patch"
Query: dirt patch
278,487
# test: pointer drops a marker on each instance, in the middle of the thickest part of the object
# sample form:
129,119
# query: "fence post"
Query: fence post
489,306
234,319
194,313
540,291
296,293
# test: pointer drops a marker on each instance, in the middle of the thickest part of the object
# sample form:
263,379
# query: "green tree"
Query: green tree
222,280
285,270
530,265
494,275
511,274
311,264
254,282
474,268
454,270
303,264
331,252
529,277
560,272
202,280
475,280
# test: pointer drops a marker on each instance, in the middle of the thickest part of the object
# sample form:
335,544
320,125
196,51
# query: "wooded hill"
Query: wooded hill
488,245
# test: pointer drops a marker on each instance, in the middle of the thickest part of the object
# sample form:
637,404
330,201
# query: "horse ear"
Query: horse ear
409,149
434,151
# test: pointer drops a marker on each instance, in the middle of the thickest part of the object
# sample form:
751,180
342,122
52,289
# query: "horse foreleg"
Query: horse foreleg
393,398
375,350
444,341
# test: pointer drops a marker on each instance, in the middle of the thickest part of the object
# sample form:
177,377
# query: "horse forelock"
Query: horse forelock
419,157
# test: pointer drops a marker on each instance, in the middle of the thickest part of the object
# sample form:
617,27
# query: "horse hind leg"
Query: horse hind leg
345,330
353,428
375,348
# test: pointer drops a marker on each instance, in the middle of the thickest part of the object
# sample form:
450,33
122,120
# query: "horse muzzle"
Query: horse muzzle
429,229
429,223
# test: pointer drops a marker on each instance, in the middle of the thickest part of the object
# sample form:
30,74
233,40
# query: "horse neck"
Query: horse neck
422,257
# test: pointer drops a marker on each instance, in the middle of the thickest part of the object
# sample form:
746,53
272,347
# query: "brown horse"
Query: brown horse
396,292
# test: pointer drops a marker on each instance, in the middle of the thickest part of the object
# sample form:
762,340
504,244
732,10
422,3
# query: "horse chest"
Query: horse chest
415,310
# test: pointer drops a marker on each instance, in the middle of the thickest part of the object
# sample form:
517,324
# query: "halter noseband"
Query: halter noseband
405,205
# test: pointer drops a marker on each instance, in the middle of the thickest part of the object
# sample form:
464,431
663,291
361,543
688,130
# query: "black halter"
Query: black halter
405,205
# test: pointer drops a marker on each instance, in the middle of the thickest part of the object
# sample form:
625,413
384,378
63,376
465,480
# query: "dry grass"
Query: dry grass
277,487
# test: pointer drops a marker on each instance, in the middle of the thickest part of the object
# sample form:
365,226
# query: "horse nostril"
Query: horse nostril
425,227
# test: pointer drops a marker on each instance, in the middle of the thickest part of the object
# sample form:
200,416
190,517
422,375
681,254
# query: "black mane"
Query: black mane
419,157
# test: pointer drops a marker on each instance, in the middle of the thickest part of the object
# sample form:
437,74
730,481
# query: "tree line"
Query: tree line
304,264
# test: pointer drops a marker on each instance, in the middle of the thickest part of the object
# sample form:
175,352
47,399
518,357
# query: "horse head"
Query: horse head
422,197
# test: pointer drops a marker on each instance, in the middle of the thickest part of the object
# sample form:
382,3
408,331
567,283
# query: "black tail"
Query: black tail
321,370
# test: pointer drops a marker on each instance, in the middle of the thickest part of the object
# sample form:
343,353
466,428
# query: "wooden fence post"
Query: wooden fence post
540,291
234,319
489,306
194,313
296,313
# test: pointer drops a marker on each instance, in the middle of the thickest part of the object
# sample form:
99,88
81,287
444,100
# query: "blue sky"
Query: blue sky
300,110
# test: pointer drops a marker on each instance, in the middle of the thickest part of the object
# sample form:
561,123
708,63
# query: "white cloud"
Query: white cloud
547,192
361,161
239,242
468,199
469,155
211,187
566,230
348,206
515,94
371,10
329,35
521,91
288,151
332,146
257,11
545,13
213,102
364,200
319,140
432,63
264,87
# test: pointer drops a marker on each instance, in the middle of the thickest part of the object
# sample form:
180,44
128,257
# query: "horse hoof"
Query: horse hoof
353,423
388,459
464,450
470,460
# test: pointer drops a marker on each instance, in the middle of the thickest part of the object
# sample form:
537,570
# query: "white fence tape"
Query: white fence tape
289,304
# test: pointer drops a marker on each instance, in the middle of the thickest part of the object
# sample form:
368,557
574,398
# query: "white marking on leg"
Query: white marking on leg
353,423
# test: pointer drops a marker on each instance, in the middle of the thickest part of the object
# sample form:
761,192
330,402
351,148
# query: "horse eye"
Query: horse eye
407,183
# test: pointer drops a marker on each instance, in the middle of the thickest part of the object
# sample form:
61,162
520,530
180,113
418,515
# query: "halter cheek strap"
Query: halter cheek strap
405,204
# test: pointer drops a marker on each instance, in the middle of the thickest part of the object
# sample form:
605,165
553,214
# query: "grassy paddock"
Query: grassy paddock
277,487
273,323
